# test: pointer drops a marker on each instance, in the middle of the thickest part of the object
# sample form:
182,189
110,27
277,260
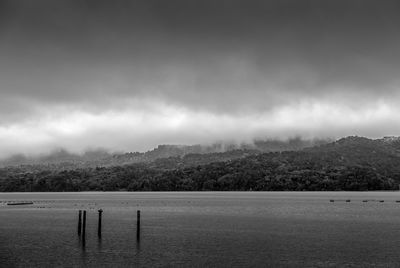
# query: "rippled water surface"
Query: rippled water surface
203,229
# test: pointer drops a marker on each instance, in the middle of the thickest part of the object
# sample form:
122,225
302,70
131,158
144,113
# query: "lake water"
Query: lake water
203,229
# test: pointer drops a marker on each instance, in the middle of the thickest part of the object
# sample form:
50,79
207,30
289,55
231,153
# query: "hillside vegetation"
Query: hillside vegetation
192,154
352,163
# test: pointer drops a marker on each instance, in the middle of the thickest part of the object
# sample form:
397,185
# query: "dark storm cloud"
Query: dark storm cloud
197,53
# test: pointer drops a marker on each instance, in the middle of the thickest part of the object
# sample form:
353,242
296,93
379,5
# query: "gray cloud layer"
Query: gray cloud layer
218,57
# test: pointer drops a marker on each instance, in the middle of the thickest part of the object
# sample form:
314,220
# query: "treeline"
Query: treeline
289,171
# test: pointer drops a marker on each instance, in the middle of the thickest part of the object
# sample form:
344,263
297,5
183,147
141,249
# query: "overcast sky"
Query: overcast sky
128,75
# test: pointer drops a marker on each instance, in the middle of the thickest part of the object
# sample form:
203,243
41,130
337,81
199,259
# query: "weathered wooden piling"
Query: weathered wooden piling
84,228
138,225
79,222
99,224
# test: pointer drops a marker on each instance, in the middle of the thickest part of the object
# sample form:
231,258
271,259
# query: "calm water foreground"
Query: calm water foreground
203,229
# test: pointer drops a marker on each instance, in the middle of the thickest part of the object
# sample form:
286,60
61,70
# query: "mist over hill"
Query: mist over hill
352,163
64,159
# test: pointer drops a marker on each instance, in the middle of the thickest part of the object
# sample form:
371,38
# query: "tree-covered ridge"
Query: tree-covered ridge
352,163
187,154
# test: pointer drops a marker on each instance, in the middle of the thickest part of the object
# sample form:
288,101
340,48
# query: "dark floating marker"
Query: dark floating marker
138,226
348,200
79,222
331,200
19,203
99,224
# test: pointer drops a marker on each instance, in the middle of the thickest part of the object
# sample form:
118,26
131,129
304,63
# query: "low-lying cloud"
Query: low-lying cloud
141,126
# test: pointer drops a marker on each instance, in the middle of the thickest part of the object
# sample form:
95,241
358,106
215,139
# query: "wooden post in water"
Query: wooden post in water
99,224
138,225
84,228
79,222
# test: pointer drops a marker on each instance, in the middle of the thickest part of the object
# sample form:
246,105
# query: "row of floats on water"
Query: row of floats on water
365,200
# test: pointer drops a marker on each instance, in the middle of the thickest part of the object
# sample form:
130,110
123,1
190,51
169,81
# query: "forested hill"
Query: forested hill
193,154
351,163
